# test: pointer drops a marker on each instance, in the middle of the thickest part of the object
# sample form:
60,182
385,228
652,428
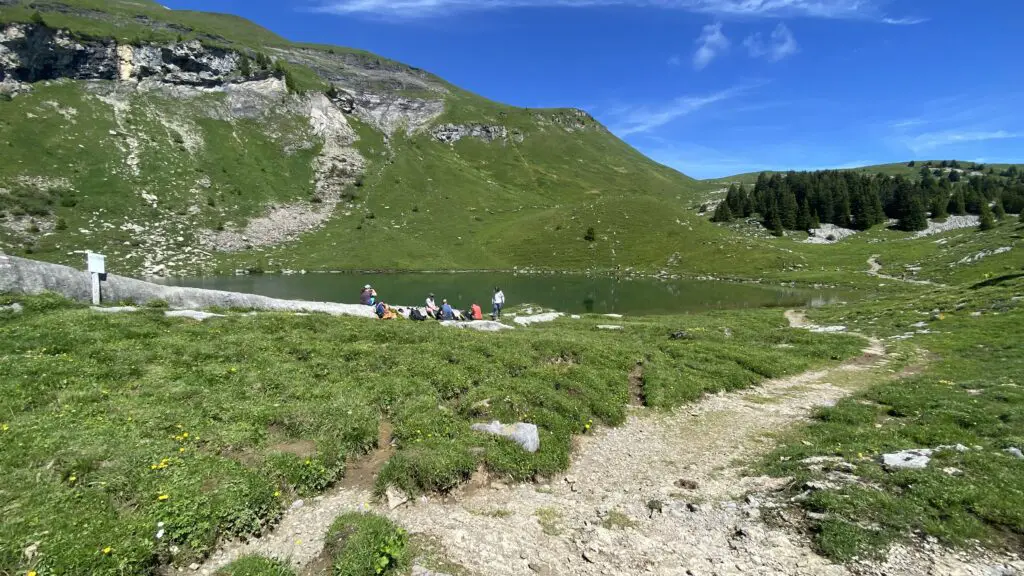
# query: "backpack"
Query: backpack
417,315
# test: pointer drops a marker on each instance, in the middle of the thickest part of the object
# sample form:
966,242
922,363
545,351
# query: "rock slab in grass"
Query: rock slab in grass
12,308
193,314
908,459
537,318
481,325
521,433
1015,452
609,327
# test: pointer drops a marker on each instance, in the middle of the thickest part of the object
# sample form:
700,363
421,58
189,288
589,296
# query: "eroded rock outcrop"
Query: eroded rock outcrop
452,133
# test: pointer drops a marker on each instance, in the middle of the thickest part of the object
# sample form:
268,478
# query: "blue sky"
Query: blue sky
715,87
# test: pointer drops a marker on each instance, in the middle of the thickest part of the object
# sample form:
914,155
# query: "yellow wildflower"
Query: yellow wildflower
162,497
277,493
72,478
184,434
108,550
32,573
4,427
181,450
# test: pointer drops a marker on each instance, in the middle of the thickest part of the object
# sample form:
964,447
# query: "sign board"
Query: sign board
96,263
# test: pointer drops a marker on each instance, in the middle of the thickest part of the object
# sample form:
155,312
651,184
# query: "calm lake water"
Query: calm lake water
565,293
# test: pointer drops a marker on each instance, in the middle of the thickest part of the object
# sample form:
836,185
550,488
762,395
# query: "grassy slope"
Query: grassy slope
115,423
969,394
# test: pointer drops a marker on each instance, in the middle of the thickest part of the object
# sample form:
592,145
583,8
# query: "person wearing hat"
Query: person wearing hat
432,308
368,297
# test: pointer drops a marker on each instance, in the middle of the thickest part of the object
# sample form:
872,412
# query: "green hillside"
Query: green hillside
182,143
141,174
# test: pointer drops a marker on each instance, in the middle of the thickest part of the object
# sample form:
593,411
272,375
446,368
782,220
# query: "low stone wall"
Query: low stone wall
22,276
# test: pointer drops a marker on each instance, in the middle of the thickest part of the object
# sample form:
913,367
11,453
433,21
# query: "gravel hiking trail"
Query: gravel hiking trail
665,493
875,269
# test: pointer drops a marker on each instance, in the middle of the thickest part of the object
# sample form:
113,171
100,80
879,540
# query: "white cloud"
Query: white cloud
639,119
410,9
908,21
781,45
934,140
710,43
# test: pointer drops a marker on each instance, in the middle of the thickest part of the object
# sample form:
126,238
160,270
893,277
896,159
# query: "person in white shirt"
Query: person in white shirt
432,308
497,302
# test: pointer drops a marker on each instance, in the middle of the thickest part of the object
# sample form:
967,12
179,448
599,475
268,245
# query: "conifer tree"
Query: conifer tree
987,221
998,209
722,213
914,218
940,207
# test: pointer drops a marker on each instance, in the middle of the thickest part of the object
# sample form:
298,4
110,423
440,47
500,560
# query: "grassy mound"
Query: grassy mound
366,545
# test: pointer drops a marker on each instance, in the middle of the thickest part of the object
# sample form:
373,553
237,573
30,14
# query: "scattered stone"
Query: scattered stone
692,507
681,335
12,308
481,325
522,433
193,567
609,327
908,459
575,316
590,556
952,471
1015,452
687,484
297,504
540,568
395,497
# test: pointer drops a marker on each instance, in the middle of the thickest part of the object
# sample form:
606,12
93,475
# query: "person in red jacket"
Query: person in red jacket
475,312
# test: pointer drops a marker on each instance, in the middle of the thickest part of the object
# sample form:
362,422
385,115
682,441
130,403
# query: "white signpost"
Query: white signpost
97,265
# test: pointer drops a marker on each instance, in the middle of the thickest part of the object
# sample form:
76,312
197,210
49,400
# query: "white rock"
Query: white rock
537,318
193,314
609,327
522,433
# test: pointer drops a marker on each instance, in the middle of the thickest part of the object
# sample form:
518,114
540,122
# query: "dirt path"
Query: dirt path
875,269
662,494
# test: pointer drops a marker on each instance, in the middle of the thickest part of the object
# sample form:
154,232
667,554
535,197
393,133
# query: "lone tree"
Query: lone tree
590,236
722,213
958,203
987,221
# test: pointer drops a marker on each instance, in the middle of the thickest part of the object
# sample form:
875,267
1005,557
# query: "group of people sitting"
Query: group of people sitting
368,297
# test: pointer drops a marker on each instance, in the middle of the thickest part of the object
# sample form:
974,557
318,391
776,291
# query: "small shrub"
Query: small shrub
33,228
220,226
211,202
61,224
68,201
37,18
370,215
415,208
590,235
316,200
366,544
158,304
